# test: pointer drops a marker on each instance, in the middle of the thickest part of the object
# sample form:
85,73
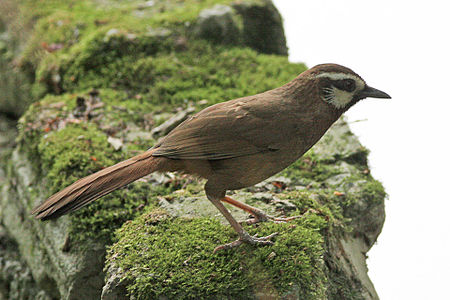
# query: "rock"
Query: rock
135,135
15,83
285,205
217,24
146,4
341,144
8,133
273,183
181,205
159,32
115,287
171,123
345,171
256,24
115,142
262,26
159,179
114,32
16,280
266,197
61,274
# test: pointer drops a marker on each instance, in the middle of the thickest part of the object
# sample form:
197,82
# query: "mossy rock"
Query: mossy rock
102,70
15,85
153,254
172,257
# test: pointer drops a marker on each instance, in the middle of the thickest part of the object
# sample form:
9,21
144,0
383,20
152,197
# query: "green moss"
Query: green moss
172,257
64,23
35,122
374,192
78,45
81,148
115,110
219,73
311,168
75,152
345,201
98,221
317,201
70,153
204,71
363,187
360,200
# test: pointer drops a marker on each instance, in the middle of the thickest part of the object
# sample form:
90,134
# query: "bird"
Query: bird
233,145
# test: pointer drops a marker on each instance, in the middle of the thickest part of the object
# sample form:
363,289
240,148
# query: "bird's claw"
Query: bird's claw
260,216
246,238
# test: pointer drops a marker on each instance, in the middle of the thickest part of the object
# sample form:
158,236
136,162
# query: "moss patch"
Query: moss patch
202,71
81,44
62,24
63,165
172,257
166,256
65,147
75,152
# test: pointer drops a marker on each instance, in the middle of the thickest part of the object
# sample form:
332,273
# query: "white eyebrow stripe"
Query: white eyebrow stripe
338,76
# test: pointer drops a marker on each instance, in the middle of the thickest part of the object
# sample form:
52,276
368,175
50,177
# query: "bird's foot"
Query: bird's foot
247,238
260,216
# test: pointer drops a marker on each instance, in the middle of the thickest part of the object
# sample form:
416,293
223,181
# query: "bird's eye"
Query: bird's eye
347,85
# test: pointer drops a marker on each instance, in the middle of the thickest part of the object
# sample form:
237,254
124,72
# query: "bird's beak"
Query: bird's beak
370,92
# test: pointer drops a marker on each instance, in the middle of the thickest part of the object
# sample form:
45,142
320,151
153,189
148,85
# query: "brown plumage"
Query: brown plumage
234,144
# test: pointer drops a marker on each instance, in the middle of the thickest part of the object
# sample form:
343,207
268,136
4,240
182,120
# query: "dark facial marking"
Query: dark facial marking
347,85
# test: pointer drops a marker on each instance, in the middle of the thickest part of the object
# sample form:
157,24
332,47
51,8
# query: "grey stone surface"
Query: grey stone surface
16,280
218,24
14,81
262,26
172,122
61,274
115,286
256,24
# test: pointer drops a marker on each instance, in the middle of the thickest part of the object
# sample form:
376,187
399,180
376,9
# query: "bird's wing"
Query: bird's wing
230,129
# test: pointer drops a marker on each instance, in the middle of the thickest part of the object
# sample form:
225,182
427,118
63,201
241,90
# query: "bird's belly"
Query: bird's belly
249,170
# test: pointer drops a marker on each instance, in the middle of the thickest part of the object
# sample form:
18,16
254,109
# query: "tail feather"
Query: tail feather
96,185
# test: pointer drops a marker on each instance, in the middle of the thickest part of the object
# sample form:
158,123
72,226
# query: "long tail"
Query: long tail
96,185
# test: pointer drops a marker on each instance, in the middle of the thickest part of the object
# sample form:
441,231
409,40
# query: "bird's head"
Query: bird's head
341,87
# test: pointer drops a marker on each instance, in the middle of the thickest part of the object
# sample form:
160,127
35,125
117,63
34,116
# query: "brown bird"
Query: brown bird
234,144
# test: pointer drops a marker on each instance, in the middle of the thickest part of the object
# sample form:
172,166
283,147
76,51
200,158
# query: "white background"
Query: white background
402,48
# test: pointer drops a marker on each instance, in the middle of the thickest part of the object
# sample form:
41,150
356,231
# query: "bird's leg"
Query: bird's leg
244,237
259,215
